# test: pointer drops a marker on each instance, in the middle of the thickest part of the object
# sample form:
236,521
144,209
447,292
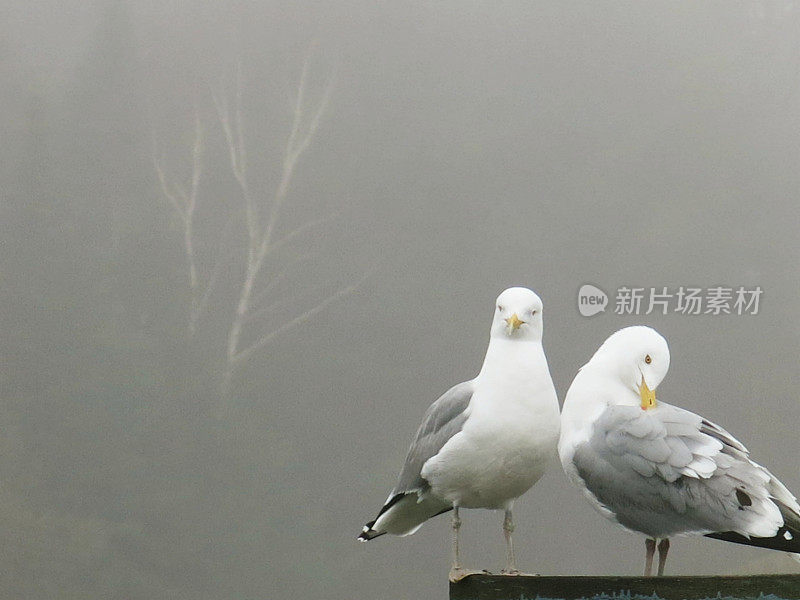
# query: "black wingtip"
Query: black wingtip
368,533
779,542
786,540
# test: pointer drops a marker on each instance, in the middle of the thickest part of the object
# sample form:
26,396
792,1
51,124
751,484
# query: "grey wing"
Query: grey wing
443,420
666,470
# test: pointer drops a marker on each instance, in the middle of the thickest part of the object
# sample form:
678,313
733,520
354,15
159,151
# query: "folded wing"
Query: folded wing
407,507
666,471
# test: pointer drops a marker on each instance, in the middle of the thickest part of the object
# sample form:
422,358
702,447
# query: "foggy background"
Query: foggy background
464,147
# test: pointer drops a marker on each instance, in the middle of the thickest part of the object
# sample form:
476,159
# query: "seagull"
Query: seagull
660,470
484,442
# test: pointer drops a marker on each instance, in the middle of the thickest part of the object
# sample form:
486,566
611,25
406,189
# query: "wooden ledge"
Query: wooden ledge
531,587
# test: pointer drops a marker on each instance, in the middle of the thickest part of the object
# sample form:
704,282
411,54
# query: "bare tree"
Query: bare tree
262,214
264,232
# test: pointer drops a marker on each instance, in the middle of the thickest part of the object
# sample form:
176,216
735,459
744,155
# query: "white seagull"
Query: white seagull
660,470
486,441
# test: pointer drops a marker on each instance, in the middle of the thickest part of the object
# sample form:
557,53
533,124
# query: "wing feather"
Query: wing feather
666,470
443,420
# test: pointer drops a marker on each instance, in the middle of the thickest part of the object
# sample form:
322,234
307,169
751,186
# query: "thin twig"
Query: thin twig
184,202
167,187
295,233
254,315
222,259
237,154
293,151
271,285
266,339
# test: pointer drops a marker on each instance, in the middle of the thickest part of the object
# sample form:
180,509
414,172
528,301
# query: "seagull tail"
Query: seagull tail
403,514
786,540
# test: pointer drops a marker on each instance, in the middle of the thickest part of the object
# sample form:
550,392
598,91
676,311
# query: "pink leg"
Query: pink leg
508,528
650,550
456,528
663,548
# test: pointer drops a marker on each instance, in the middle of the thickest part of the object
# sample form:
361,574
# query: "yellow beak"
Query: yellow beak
648,396
513,322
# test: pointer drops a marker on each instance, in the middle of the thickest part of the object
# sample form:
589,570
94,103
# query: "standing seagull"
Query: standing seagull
486,441
660,470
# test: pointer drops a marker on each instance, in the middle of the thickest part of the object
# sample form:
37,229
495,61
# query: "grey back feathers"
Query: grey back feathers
443,419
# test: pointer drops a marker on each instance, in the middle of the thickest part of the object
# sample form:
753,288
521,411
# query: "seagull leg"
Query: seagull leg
663,548
456,529
508,529
650,550
457,572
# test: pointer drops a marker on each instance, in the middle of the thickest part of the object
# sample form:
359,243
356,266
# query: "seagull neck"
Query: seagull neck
504,354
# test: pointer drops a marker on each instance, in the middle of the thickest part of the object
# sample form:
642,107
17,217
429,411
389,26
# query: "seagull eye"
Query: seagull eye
647,359
500,307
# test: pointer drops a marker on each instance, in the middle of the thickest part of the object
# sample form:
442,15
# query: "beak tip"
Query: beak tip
647,395
514,322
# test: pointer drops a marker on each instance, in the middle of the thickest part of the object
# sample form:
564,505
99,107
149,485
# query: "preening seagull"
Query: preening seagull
486,441
661,470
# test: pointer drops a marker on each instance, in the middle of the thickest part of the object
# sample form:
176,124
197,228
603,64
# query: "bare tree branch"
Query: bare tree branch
293,151
269,288
305,227
191,205
221,104
239,116
255,315
261,236
197,158
222,259
234,136
315,120
170,193
245,353
185,204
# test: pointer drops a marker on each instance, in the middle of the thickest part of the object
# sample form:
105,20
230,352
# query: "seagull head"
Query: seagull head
518,315
639,357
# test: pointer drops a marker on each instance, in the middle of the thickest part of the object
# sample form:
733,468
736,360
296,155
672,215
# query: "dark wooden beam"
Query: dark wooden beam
503,587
